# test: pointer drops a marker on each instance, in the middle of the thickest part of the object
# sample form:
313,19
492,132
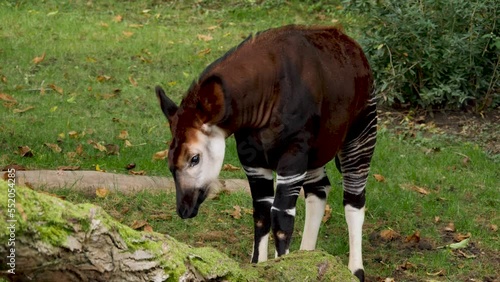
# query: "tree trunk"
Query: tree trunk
44,238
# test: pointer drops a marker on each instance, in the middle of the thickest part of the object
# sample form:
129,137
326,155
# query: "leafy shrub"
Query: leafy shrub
433,53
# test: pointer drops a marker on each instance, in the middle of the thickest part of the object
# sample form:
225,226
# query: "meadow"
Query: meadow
77,85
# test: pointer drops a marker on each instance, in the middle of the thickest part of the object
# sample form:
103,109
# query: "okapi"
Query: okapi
295,98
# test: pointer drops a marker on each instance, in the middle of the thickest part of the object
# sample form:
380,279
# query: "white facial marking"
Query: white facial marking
211,148
355,218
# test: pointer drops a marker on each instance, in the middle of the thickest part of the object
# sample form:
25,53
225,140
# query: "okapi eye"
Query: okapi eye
195,160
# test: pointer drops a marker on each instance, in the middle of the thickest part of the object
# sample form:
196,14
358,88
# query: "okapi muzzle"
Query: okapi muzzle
189,200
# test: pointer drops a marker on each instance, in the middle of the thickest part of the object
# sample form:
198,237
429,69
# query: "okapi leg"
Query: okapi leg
283,210
262,189
354,159
316,187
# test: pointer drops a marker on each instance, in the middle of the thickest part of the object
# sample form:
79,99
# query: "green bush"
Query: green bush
433,53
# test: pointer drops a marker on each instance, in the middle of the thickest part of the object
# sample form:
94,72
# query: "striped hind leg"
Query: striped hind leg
316,187
354,159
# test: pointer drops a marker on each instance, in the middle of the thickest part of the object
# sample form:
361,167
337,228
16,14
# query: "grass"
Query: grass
107,57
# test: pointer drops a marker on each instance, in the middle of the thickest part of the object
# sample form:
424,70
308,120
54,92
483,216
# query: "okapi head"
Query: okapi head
197,149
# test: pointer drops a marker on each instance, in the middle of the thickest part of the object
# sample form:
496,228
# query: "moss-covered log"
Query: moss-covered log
44,238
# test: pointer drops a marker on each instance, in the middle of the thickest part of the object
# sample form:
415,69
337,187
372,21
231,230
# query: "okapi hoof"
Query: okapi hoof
360,274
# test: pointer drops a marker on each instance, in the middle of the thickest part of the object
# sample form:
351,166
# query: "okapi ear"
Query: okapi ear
212,99
168,107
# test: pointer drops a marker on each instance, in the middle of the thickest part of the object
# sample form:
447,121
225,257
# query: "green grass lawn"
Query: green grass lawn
102,60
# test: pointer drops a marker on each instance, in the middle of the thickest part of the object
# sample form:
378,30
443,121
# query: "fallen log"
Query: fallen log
44,238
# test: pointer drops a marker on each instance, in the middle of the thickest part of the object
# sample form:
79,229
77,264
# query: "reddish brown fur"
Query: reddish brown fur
252,95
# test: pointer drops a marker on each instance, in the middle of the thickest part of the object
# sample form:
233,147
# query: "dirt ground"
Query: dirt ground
482,129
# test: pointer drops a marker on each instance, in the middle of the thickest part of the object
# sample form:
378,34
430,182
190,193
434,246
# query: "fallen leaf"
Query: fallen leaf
466,161
118,18
139,172
460,237
328,213
38,60
132,81
236,212
103,24
69,168
494,227
98,168
128,33
112,149
7,98
102,78
161,155
102,192
379,177
212,27
135,25
389,279
56,88
79,149
137,224
25,151
127,143
460,245
230,167
439,273
465,255
123,135
450,227
204,52
54,147
148,228
73,134
3,78
99,147
389,235
23,110
204,37
437,219
416,188
71,155
406,265
414,238
130,166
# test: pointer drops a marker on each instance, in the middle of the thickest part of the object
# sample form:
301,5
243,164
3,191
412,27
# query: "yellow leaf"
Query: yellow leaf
53,109
23,110
135,25
128,33
38,60
54,147
389,234
73,134
148,228
7,98
118,18
132,81
161,155
230,167
328,213
379,177
172,83
123,135
98,168
128,144
102,78
101,192
56,88
204,37
103,24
